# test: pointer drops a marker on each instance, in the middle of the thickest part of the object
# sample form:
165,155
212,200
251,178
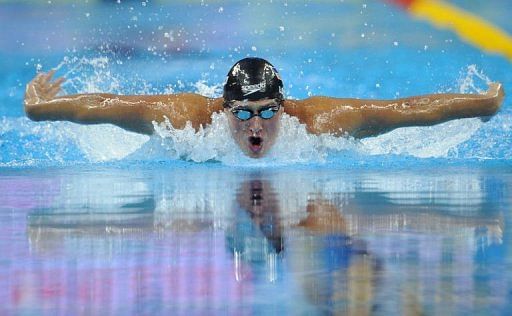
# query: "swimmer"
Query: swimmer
254,102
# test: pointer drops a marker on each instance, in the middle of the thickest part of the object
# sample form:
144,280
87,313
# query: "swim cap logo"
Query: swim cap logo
253,88
276,73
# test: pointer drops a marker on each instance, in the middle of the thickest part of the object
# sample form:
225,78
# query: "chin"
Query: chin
254,154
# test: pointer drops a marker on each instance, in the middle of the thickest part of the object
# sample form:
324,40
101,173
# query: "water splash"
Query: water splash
214,143
88,75
423,142
472,79
208,143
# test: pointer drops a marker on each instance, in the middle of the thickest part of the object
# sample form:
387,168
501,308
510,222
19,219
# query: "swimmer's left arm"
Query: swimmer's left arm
365,118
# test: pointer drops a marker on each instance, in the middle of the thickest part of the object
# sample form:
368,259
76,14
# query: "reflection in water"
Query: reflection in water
255,236
336,271
216,241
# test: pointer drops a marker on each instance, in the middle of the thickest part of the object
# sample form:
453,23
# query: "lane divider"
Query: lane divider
471,28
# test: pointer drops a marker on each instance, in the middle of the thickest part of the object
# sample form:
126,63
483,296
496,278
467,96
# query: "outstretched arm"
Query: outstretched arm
134,113
364,118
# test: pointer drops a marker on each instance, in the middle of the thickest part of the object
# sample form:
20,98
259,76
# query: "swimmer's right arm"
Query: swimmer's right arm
135,113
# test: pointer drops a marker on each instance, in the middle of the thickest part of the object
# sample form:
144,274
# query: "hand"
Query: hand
41,89
495,90
497,93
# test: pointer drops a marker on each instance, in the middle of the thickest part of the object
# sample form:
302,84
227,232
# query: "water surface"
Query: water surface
213,240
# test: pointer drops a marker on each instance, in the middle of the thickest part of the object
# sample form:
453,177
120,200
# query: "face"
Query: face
254,135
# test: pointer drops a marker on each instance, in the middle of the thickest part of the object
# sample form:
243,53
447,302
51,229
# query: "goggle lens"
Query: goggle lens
267,114
243,115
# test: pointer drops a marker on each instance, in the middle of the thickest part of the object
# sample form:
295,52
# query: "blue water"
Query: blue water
97,220
217,240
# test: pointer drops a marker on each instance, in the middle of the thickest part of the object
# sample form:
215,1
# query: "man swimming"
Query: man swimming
254,102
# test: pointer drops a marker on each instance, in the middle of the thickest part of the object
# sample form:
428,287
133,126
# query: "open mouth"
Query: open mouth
255,143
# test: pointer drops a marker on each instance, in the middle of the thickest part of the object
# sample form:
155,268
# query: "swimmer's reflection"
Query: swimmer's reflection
256,218
255,237
336,272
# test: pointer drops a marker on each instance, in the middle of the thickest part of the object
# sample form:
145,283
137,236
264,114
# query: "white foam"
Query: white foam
98,143
104,142
86,75
423,142
214,142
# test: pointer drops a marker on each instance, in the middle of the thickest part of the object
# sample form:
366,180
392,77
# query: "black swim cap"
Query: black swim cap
253,79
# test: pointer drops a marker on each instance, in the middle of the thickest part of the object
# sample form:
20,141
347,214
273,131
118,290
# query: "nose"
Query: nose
256,127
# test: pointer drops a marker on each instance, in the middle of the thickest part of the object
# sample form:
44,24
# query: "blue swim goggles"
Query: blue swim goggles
266,112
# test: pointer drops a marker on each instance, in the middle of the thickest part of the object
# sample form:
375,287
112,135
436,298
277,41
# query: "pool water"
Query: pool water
217,240
97,220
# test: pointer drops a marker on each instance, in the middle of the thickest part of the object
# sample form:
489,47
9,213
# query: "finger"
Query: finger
31,95
58,82
49,75
41,86
493,88
30,91
46,85
43,77
36,87
38,77
53,91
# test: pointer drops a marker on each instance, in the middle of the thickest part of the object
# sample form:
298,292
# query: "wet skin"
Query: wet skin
256,135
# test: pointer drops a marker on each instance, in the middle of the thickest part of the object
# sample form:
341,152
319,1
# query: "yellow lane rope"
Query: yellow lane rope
469,27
